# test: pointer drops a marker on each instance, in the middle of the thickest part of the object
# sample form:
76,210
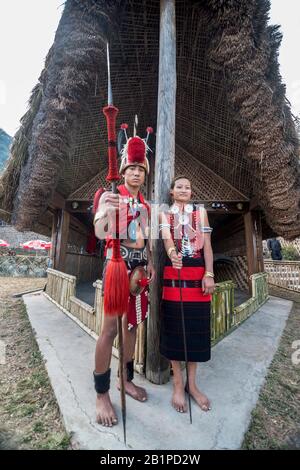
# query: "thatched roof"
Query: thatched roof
232,114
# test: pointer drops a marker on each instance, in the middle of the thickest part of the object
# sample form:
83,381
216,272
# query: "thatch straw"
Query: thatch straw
246,52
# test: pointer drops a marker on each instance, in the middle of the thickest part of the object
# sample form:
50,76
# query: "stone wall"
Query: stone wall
23,266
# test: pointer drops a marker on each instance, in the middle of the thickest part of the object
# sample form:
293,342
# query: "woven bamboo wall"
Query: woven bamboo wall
205,127
237,272
207,185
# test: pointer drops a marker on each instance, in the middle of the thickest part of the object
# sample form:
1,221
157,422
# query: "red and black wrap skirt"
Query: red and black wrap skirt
196,308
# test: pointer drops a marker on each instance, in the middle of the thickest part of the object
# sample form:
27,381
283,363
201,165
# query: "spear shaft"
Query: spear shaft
184,343
117,284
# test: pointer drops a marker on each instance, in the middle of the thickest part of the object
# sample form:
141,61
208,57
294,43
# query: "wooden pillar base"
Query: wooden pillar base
157,367
62,240
251,247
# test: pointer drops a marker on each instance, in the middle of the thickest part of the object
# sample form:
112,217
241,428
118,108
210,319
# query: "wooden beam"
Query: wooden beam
57,201
250,246
80,206
225,207
62,240
78,226
54,234
259,242
157,367
254,204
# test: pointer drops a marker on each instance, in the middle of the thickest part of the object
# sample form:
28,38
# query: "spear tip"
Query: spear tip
109,97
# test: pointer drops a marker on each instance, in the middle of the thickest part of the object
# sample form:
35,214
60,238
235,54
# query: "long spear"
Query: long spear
184,343
116,281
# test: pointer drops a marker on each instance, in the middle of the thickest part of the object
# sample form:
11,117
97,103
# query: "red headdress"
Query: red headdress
134,152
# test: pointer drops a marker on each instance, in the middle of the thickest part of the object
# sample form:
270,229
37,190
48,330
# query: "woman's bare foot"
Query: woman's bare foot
138,393
178,398
200,398
105,414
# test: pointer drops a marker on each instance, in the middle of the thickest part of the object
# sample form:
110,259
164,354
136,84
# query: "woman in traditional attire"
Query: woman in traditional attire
186,234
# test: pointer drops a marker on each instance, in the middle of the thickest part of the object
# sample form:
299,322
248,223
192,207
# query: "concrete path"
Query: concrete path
232,380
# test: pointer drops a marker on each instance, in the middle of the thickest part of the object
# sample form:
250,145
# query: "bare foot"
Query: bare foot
200,398
178,399
105,414
138,393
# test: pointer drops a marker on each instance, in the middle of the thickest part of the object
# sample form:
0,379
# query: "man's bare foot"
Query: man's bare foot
178,398
105,414
200,398
138,393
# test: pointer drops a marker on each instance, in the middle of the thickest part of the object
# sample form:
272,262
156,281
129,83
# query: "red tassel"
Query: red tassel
116,293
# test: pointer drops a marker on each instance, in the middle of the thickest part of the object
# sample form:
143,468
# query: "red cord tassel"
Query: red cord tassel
115,300
116,293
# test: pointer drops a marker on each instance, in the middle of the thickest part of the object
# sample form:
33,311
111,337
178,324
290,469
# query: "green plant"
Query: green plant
290,253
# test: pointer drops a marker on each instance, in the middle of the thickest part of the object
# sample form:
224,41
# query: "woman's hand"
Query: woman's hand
208,285
176,260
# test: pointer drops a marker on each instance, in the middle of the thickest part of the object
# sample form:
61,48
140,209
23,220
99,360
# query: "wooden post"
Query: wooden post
54,239
250,246
62,240
157,367
259,242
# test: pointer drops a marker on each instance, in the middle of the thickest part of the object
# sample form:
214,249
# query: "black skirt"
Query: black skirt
197,329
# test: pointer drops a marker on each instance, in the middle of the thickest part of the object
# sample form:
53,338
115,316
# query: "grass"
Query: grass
275,422
27,403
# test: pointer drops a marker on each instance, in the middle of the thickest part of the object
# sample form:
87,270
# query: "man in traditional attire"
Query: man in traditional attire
134,222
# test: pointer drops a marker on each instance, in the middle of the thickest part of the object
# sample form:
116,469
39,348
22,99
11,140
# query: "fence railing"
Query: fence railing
259,297
60,287
222,309
224,316
84,312
283,274
23,265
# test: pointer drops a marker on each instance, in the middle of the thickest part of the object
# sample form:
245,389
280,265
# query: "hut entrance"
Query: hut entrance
230,253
